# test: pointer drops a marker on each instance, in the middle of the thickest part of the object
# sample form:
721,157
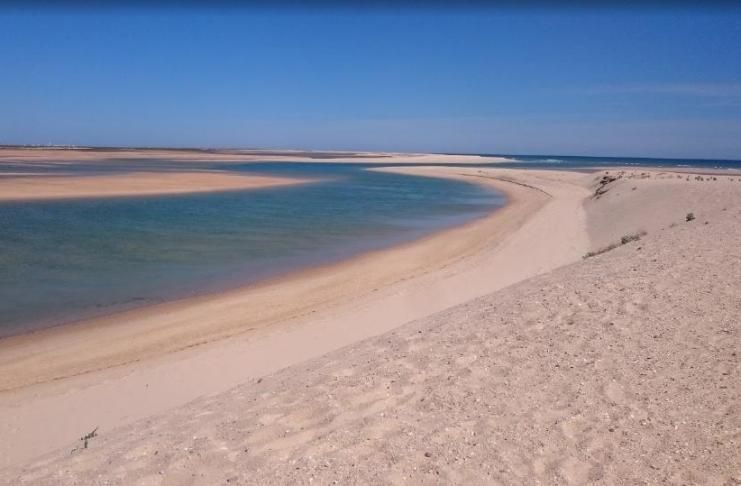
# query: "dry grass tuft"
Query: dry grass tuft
623,241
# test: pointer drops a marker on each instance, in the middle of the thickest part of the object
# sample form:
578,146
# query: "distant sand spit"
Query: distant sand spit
36,187
620,368
60,156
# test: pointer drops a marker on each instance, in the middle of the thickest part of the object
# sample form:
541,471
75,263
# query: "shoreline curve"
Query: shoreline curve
122,367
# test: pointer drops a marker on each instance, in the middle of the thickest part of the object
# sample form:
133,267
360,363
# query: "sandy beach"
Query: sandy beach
34,187
488,353
370,243
377,291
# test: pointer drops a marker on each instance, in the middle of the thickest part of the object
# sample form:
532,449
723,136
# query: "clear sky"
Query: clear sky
661,82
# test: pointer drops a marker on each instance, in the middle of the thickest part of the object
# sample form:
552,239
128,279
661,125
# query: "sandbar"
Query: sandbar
73,155
41,187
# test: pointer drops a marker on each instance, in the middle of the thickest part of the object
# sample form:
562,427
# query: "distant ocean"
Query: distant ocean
580,162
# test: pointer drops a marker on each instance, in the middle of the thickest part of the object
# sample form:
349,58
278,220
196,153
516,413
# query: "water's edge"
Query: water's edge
81,273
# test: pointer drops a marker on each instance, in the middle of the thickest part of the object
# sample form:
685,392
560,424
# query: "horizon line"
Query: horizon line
277,149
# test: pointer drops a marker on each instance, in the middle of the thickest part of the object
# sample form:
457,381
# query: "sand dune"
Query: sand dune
620,368
35,187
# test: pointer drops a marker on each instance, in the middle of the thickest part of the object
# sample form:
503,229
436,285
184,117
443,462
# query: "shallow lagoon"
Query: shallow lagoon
62,261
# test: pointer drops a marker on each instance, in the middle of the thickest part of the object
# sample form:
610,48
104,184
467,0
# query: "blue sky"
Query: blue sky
645,82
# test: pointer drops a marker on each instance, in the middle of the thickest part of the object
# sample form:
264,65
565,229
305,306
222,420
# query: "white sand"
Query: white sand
622,368
35,187
117,368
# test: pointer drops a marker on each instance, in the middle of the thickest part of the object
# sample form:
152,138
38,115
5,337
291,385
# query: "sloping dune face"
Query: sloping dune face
621,368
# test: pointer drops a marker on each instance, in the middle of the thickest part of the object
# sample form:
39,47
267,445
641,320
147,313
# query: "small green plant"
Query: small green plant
689,217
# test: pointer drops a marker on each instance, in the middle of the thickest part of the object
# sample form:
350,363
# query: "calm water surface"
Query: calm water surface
65,260
571,162
62,261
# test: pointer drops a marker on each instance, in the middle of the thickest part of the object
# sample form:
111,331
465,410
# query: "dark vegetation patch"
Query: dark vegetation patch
623,241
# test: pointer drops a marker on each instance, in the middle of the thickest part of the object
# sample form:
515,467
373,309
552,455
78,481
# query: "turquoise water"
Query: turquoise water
572,162
66,260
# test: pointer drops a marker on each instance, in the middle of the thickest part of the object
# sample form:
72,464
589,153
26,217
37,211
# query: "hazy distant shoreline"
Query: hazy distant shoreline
55,154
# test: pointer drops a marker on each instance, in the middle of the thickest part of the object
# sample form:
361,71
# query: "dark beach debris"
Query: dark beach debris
602,185
85,439
623,241
632,237
89,436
